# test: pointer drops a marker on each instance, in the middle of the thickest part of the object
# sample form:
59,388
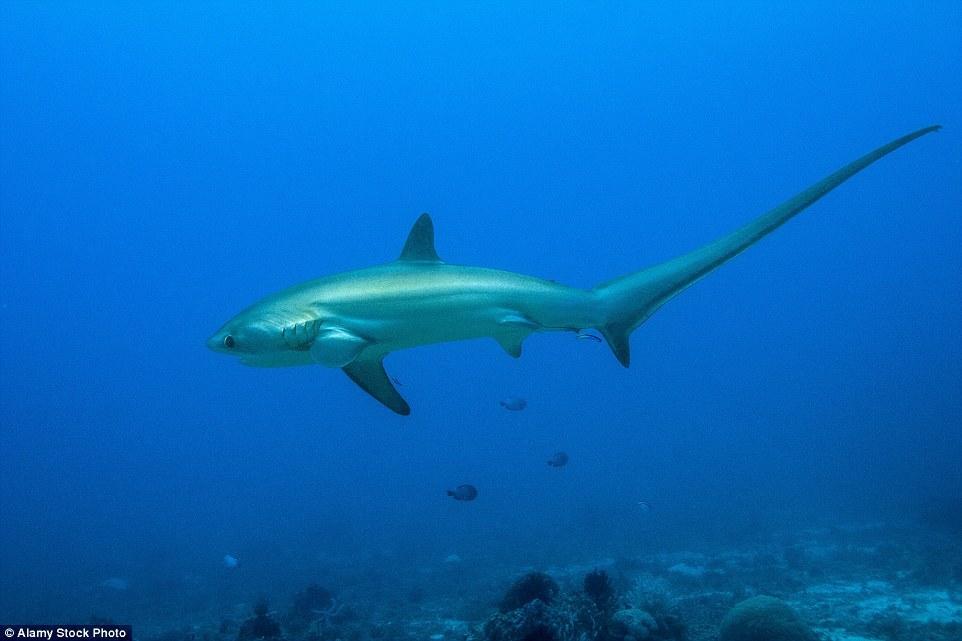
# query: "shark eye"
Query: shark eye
229,341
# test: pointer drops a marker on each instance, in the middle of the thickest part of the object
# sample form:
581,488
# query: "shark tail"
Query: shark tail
630,300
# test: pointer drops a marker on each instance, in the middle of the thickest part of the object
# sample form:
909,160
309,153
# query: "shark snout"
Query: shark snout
220,341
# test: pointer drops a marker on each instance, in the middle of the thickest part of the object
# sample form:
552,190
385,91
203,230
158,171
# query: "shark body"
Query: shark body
354,319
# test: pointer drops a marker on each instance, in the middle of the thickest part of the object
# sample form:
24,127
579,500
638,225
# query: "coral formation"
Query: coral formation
532,586
310,604
764,618
668,625
530,621
650,620
600,589
631,623
593,614
565,619
260,626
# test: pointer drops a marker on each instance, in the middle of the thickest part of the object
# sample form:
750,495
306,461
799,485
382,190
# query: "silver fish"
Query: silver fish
559,459
514,403
464,493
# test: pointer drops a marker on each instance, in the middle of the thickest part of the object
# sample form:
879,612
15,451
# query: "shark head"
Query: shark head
257,340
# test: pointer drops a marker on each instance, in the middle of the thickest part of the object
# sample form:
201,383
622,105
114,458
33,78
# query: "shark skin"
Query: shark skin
354,319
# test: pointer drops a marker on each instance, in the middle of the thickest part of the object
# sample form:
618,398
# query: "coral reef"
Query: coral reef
864,582
571,618
631,624
593,614
668,625
600,589
764,618
261,625
310,604
532,586
649,620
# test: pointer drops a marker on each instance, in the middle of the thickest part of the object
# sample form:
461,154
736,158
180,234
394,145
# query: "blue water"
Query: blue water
162,167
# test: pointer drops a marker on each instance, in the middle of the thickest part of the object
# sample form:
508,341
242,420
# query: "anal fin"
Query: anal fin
370,376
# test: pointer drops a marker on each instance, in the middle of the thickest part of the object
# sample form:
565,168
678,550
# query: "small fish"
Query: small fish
230,562
645,506
588,336
115,583
464,493
559,459
514,403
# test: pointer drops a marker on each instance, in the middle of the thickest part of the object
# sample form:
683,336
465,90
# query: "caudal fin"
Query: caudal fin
631,299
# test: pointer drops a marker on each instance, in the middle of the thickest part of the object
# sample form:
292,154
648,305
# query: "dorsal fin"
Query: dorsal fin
420,242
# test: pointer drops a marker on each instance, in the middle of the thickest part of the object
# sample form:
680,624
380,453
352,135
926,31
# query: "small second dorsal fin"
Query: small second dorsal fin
420,242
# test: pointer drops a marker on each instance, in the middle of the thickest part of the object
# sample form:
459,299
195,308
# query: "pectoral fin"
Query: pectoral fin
369,374
336,347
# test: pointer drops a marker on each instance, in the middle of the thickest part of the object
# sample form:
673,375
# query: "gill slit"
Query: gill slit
299,336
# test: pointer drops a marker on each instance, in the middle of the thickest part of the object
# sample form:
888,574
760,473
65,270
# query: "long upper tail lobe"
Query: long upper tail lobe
628,301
